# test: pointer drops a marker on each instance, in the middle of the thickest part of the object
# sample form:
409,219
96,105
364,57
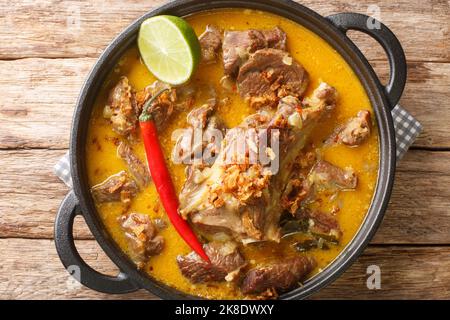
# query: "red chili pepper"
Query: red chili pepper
162,179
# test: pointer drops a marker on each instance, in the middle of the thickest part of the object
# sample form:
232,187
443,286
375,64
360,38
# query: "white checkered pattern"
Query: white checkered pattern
407,128
62,170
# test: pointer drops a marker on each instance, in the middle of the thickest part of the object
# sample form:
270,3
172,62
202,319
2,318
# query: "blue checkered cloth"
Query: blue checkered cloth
407,128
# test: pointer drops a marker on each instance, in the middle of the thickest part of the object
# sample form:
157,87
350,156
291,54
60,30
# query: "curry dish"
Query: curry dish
266,226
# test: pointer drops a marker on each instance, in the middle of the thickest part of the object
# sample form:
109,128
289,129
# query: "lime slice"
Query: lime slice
169,48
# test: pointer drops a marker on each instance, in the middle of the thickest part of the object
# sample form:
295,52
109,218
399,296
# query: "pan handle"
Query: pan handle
74,264
389,42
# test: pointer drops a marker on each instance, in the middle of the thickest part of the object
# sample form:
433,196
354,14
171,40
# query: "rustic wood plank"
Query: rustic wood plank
419,210
405,272
427,89
31,194
43,94
69,29
38,273
37,102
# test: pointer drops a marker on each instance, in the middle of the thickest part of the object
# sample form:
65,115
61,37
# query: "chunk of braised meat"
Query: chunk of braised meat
357,129
210,42
118,187
200,143
276,38
142,238
226,263
322,224
269,75
327,175
164,106
218,220
198,117
280,276
324,95
253,219
238,45
137,168
121,108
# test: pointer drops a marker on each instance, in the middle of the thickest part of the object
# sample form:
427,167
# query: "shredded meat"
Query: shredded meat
280,276
269,75
210,42
141,233
118,187
226,263
238,45
137,168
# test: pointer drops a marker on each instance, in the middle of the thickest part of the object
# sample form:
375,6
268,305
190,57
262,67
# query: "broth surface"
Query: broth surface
322,62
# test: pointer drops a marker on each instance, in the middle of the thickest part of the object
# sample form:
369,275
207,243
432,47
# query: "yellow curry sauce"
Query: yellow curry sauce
322,62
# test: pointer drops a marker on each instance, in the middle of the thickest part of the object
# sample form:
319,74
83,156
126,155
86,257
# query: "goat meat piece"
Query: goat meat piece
323,95
280,276
141,234
163,107
137,168
252,217
357,129
198,117
269,75
121,108
226,262
200,143
276,38
238,45
210,42
118,187
327,175
322,224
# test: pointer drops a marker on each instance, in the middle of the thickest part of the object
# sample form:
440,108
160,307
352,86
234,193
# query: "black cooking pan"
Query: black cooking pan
333,29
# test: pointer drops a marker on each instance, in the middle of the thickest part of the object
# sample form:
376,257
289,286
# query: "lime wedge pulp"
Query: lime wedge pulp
169,48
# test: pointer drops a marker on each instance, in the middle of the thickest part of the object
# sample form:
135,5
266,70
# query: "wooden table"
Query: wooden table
45,55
